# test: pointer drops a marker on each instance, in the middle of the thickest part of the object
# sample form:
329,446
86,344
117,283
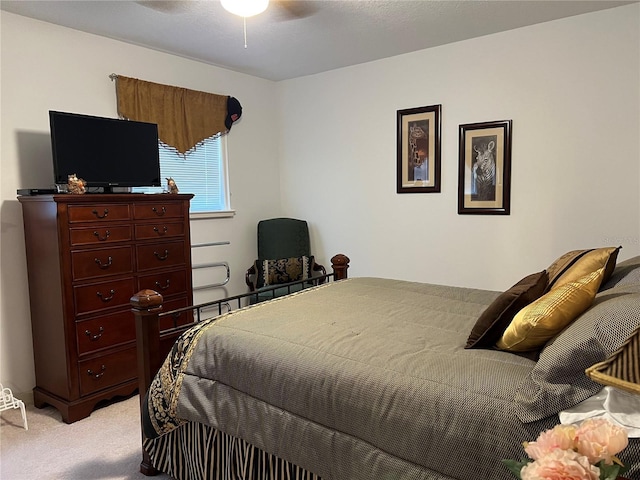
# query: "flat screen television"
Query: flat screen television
104,152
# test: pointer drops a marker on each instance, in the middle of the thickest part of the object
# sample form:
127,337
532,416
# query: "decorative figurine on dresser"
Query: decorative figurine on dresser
76,185
87,255
172,187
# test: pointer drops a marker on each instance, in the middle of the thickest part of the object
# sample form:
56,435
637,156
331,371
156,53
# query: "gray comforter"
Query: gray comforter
365,378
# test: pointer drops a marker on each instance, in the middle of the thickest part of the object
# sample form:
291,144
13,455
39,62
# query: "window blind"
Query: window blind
202,171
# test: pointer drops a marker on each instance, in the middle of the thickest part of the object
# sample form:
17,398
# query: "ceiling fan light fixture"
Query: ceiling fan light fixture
245,8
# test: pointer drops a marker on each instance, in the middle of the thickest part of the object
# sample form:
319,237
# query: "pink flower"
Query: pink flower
559,437
597,439
560,465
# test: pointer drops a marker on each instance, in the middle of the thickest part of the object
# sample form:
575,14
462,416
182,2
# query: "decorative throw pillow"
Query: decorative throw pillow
540,321
496,318
283,270
563,263
578,263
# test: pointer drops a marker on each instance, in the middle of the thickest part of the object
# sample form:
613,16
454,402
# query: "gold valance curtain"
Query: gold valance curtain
184,117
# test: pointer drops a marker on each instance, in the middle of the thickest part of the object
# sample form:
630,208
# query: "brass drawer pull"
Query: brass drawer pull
104,215
106,299
163,232
96,336
102,239
96,375
104,266
162,257
163,287
159,213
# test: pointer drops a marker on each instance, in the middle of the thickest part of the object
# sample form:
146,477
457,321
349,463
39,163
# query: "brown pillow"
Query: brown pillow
496,318
577,263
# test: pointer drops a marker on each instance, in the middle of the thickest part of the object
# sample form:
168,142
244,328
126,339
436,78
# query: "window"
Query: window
202,172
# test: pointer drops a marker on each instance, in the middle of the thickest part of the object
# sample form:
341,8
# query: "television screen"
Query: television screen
104,152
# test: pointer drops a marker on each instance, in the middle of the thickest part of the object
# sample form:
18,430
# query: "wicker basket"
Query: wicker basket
622,368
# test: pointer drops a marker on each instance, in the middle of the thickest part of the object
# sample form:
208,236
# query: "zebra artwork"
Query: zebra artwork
484,170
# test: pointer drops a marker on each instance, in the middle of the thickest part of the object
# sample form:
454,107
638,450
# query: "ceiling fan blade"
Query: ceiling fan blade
166,6
294,9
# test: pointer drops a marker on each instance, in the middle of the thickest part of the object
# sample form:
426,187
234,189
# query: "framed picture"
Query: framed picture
484,171
419,150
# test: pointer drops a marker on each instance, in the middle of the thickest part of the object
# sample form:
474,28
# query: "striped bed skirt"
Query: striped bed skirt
195,451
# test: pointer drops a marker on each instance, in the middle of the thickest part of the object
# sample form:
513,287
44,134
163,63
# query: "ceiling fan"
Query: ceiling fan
283,9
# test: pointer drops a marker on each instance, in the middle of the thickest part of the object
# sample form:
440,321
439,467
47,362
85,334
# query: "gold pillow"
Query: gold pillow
541,320
576,264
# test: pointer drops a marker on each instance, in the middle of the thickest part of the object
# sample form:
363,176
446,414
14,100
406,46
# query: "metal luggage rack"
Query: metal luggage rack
8,401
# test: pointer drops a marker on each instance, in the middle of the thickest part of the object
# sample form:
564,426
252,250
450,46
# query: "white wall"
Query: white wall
49,67
570,86
572,89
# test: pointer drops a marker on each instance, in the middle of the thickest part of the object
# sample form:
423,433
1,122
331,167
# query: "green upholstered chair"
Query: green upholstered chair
284,255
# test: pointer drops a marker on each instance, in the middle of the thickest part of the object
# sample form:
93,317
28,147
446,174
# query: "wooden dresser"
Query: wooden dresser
86,256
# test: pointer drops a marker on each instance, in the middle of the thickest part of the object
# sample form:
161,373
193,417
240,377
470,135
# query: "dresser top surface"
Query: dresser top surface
106,197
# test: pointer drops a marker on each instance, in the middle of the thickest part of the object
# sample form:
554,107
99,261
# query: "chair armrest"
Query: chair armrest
319,268
247,278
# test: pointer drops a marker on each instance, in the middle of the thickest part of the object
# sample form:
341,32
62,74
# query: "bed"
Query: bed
371,378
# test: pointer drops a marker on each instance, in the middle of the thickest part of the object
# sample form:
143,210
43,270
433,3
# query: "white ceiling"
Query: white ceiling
298,37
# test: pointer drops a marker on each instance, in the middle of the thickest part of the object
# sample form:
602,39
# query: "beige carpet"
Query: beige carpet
106,445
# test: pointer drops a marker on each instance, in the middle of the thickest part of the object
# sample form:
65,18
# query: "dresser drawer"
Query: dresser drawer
100,262
159,231
98,213
107,370
160,255
165,283
98,235
105,331
97,296
145,211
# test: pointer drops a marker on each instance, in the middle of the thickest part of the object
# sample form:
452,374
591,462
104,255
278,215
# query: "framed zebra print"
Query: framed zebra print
484,171
419,149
